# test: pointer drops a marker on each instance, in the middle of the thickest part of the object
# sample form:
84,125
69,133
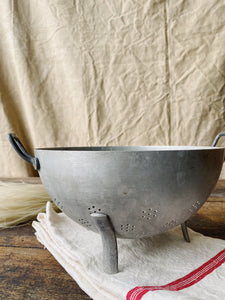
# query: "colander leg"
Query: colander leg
110,251
185,232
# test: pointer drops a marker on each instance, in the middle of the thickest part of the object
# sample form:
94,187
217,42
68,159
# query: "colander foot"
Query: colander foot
185,232
109,242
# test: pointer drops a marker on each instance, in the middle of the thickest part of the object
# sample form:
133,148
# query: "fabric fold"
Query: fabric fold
149,268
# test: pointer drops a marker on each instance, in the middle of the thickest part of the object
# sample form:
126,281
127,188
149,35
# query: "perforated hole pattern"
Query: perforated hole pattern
194,206
127,227
170,224
84,222
93,209
149,214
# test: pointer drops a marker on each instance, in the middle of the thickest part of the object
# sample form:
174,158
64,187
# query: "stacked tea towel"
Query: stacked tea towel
161,267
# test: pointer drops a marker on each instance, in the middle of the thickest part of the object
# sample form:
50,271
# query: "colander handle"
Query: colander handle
217,138
18,146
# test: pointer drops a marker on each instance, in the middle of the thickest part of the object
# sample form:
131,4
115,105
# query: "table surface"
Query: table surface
28,271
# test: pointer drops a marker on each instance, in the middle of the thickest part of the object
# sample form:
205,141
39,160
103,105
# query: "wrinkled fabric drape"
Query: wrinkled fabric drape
117,72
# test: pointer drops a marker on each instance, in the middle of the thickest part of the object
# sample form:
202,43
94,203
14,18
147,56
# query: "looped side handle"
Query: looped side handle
17,145
217,138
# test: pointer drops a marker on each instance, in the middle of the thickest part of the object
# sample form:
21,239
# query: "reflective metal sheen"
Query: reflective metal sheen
144,192
127,192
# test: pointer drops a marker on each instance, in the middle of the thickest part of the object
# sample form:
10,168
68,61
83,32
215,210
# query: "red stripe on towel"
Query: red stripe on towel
195,276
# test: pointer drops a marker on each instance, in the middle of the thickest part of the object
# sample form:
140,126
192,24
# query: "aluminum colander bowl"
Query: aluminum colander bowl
127,192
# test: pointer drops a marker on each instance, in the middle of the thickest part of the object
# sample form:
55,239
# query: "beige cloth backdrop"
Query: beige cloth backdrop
113,72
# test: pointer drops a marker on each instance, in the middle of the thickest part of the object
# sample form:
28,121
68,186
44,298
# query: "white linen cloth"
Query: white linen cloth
154,262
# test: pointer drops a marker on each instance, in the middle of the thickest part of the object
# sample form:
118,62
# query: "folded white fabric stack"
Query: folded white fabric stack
161,267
